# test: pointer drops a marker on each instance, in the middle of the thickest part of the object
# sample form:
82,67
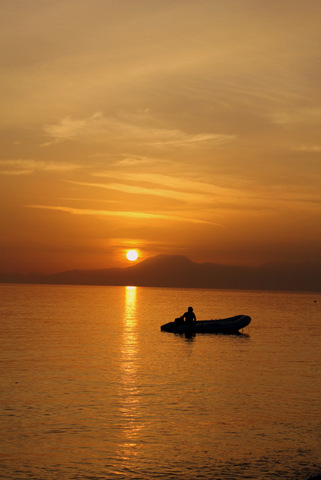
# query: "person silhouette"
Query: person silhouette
189,316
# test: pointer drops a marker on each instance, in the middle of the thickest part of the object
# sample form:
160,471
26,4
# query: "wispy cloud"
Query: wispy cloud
296,115
136,161
180,139
115,213
141,190
133,129
69,128
309,148
178,183
176,188
29,166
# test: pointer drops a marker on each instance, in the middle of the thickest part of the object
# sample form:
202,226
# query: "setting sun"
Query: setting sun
132,255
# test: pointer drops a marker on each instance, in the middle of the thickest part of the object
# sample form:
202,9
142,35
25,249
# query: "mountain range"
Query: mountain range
179,271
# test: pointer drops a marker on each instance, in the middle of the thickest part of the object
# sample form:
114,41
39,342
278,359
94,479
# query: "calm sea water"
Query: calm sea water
92,389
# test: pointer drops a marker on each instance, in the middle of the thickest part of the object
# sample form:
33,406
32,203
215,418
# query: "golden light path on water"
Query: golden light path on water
130,398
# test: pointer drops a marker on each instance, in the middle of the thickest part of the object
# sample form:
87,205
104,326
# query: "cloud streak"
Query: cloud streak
30,166
178,183
141,190
137,129
123,214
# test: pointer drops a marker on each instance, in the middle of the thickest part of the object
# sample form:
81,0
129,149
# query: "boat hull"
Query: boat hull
231,325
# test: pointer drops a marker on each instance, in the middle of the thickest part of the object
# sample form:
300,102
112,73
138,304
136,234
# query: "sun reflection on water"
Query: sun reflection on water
130,305
129,343
130,392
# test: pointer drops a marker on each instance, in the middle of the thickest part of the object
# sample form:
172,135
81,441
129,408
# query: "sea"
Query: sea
92,389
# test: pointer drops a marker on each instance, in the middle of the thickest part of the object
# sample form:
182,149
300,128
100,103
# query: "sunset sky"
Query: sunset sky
188,127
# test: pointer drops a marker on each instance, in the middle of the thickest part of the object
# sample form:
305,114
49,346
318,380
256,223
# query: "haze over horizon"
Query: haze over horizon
188,128
178,271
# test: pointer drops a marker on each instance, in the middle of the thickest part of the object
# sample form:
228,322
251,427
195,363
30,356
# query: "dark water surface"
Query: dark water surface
92,389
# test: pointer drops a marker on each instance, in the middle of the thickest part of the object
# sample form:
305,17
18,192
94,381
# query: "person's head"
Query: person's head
190,309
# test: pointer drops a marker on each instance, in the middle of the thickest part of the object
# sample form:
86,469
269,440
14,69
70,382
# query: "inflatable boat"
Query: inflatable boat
231,325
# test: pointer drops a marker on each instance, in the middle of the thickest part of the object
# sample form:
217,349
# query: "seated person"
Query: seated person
189,316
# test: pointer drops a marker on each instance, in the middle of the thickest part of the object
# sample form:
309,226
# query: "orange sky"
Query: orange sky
181,127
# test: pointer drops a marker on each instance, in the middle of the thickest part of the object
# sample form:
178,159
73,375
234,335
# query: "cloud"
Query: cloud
309,148
296,115
29,166
141,190
180,189
134,161
182,196
69,128
134,128
124,214
168,181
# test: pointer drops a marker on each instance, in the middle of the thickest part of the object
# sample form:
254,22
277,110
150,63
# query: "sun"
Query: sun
131,255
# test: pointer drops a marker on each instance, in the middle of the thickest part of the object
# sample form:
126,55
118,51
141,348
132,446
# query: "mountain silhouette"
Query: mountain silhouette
179,271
